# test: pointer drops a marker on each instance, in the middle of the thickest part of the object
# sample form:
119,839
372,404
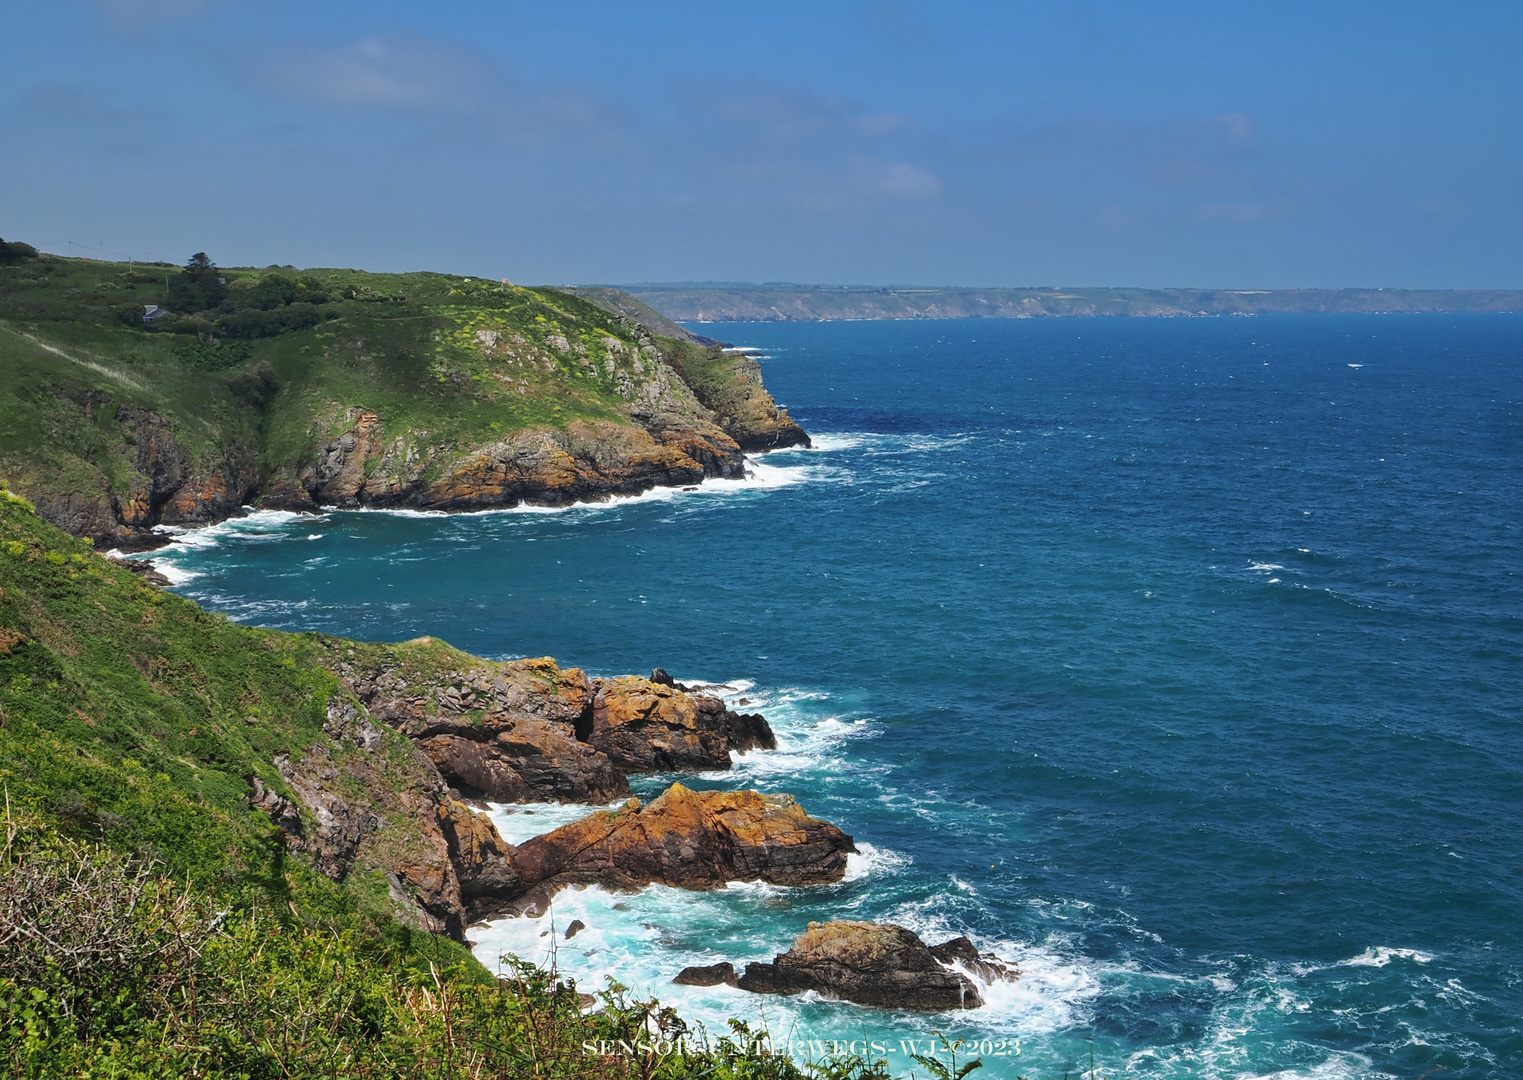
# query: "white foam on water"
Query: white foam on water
1264,567
517,822
175,574
254,526
1380,956
870,861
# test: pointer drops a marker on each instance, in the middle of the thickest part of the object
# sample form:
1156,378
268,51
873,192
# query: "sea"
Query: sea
1178,661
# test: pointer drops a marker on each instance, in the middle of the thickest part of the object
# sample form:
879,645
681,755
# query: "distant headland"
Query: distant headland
692,302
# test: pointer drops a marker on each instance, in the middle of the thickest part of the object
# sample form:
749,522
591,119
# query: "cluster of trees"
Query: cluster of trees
14,251
271,305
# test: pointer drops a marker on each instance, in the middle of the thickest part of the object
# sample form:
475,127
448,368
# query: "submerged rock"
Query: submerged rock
872,964
687,839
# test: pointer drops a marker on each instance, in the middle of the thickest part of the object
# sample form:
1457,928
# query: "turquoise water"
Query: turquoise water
1178,660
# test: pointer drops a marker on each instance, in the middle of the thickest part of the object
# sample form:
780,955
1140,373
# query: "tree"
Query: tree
199,287
15,251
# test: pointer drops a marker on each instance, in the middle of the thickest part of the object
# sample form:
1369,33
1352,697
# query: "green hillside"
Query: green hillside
133,395
152,922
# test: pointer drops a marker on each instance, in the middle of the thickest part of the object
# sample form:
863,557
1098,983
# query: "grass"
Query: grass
152,923
447,362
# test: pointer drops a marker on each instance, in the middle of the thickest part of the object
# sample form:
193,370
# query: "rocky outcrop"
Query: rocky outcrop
707,975
360,799
872,964
532,731
364,465
483,860
648,726
523,760
986,967
686,839
728,382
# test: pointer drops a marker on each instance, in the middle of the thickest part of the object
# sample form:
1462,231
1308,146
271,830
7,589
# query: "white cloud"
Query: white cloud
406,71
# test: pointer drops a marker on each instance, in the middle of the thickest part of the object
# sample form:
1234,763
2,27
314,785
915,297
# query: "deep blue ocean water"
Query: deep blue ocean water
1179,660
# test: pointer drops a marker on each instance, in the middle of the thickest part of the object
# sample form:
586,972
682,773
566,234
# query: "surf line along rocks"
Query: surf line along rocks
871,964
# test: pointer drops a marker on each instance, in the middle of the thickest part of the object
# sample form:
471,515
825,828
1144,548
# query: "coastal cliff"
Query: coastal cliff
135,397
706,303
129,714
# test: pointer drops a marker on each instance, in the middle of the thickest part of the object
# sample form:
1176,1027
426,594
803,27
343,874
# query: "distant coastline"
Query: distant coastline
730,302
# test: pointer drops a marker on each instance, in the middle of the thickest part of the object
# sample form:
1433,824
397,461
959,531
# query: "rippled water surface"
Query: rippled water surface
1178,660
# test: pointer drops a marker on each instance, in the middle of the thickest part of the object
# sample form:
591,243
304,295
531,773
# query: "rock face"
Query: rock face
687,839
526,761
363,465
871,964
646,726
532,731
164,483
483,860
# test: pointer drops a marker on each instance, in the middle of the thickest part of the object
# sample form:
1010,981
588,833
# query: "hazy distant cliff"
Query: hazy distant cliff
817,303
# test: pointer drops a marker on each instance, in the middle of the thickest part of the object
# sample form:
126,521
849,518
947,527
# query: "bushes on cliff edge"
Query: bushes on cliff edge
107,969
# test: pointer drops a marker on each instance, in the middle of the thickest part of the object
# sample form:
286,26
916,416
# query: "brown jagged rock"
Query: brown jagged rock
707,975
646,725
527,760
687,839
483,860
869,963
501,731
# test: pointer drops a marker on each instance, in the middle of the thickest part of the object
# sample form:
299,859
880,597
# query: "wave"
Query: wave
1380,956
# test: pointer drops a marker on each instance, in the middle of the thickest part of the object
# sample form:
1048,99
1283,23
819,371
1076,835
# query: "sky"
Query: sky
871,142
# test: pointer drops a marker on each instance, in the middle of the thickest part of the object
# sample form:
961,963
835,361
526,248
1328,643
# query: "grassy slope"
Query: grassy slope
128,721
407,347
131,715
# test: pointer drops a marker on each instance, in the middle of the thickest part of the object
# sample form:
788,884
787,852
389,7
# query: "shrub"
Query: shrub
255,388
108,970
15,251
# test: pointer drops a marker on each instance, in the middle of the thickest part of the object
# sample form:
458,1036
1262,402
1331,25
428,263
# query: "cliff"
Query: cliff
136,396
824,303
130,715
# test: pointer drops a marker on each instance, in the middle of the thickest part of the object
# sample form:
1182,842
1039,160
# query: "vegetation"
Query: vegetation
265,364
151,921
108,968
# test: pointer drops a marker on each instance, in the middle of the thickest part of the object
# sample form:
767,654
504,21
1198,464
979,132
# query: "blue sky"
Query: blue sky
836,141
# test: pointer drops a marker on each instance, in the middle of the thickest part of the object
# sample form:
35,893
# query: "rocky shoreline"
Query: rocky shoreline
453,732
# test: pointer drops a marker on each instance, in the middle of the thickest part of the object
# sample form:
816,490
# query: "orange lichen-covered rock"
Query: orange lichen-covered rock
481,857
688,839
647,726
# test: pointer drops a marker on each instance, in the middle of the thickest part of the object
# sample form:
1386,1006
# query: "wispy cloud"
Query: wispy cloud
415,74
406,71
